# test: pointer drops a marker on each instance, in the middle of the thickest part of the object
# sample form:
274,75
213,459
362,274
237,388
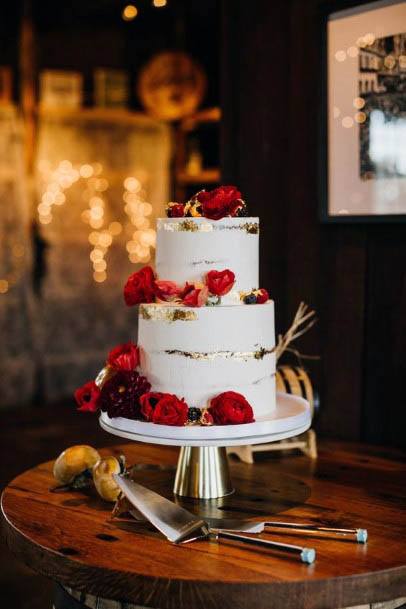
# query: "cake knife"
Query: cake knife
254,526
180,526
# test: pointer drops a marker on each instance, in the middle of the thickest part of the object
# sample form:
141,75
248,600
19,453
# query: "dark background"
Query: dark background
264,65
353,275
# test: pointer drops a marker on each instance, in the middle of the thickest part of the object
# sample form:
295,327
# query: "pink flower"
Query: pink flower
196,297
167,290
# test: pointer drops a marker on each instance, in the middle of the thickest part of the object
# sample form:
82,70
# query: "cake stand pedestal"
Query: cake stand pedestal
202,471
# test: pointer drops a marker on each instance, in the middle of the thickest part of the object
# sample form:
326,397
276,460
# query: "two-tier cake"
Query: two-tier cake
206,338
201,352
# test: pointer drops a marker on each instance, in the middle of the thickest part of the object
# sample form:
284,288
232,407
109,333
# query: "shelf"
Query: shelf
116,115
207,176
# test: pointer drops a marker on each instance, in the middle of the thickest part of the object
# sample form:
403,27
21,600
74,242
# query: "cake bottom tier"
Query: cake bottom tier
198,353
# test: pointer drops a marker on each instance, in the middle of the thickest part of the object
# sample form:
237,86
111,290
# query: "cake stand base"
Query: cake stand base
203,473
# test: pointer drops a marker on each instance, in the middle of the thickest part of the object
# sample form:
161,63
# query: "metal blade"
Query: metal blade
173,521
217,524
240,526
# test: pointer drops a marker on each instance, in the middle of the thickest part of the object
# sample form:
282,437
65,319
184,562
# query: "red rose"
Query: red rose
196,297
176,210
220,202
231,408
220,282
167,290
124,357
148,401
87,397
170,410
262,296
140,287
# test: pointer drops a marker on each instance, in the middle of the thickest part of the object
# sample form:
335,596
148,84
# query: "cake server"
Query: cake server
180,526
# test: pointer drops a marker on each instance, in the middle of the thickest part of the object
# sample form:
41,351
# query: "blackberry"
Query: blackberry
250,298
120,394
194,415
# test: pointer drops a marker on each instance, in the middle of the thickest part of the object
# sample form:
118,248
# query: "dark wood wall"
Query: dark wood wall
353,275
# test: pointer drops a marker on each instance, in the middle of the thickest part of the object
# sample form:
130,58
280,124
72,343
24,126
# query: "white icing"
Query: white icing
187,255
223,348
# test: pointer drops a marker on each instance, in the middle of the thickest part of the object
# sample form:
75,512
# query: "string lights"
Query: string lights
101,236
138,210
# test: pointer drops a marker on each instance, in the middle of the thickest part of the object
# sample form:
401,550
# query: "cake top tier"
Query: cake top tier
206,254
189,248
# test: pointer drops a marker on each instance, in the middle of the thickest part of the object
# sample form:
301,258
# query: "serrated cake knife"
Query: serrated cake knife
180,526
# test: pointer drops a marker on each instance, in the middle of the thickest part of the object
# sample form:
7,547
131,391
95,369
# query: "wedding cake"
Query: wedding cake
206,341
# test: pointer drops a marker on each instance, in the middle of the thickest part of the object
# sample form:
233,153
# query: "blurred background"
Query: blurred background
111,108
108,111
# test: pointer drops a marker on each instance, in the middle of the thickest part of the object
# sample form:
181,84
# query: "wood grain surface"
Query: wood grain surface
70,537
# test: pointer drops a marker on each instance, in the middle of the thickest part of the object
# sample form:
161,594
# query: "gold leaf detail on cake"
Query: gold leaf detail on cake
251,227
238,355
166,314
189,225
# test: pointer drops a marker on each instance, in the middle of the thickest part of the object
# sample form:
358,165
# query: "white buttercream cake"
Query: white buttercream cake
200,352
187,248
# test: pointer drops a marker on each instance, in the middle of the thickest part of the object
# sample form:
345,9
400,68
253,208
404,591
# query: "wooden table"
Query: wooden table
70,538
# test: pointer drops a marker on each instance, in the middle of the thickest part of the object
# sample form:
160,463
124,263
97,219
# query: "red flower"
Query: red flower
189,287
220,282
170,410
140,287
87,397
167,290
262,296
196,297
231,408
220,202
175,210
120,394
148,401
124,357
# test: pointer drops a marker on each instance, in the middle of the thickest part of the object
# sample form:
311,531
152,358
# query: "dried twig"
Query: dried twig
303,315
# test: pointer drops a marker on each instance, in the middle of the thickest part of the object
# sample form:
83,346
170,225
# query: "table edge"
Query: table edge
346,590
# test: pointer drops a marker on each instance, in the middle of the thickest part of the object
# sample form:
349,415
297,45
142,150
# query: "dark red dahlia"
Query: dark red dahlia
121,393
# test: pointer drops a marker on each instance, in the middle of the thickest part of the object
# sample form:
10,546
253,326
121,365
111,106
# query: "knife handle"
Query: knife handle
306,555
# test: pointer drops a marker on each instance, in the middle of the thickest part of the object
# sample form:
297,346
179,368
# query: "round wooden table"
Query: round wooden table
71,538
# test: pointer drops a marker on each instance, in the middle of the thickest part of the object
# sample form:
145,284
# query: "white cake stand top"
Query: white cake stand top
291,417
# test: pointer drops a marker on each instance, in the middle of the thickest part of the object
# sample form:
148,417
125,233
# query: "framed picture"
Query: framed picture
363,131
